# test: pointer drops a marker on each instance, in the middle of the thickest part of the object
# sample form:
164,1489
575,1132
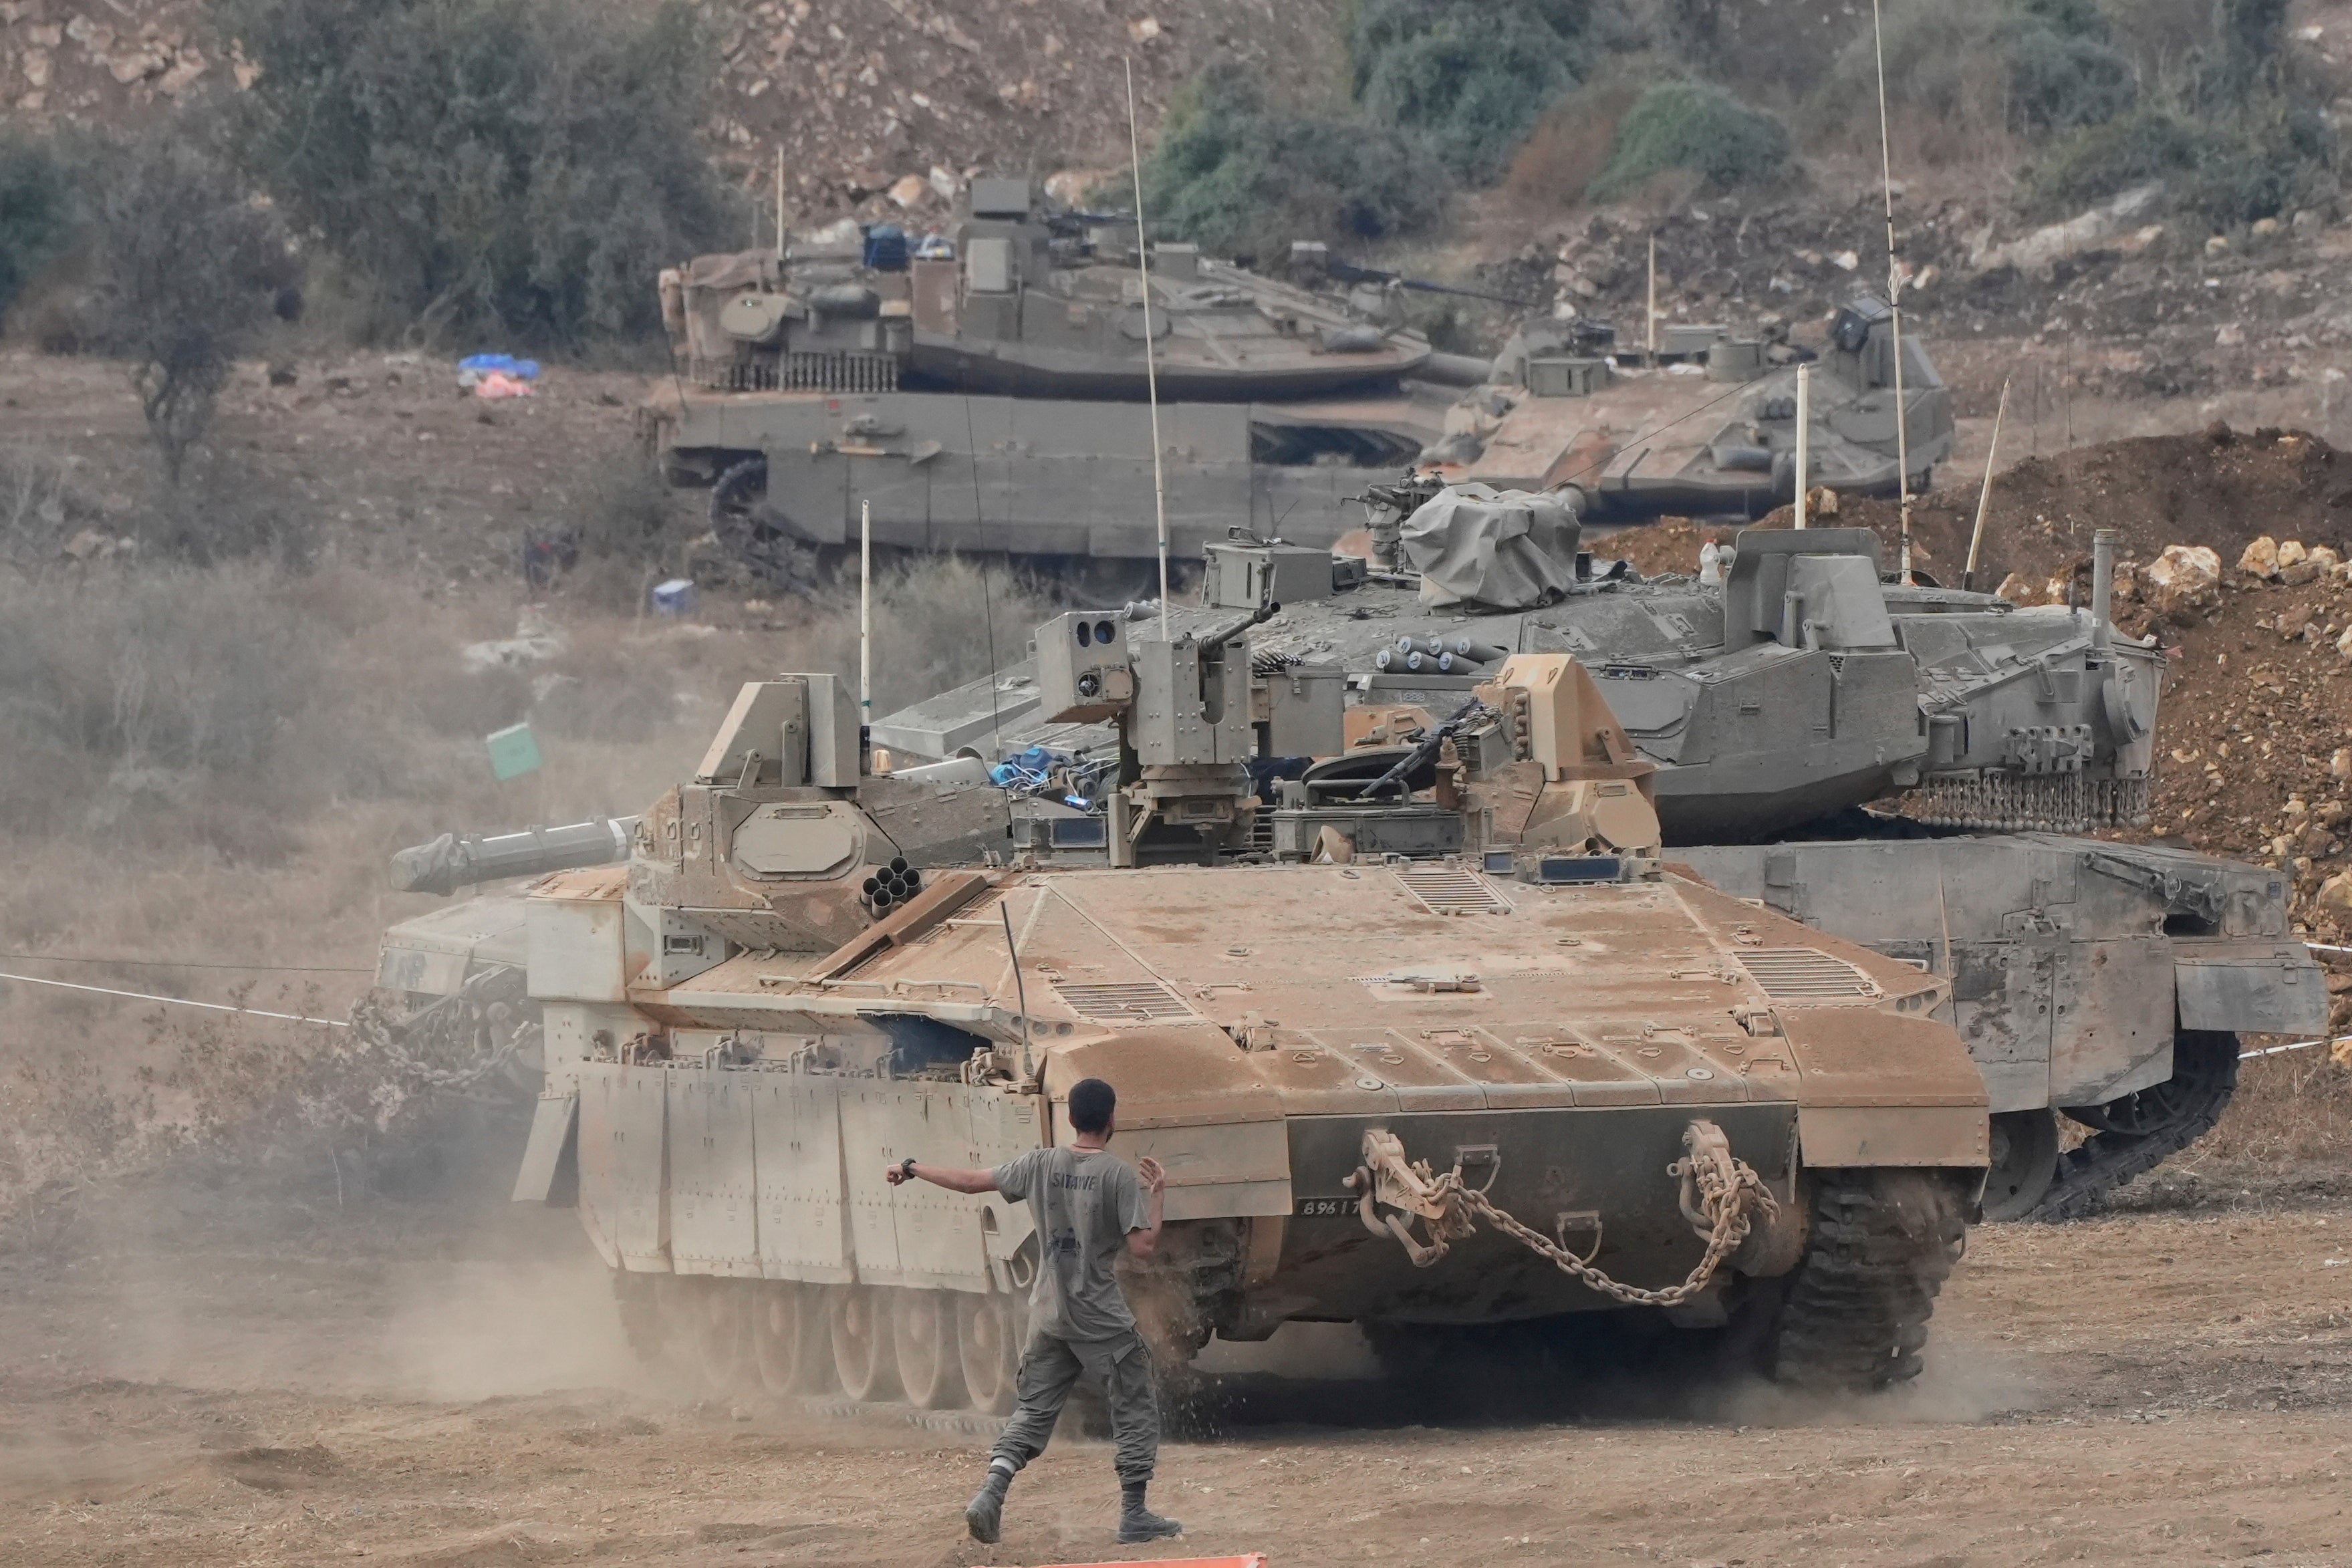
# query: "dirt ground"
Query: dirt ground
2164,1386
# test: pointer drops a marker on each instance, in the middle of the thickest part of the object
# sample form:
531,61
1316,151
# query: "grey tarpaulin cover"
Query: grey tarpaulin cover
1511,551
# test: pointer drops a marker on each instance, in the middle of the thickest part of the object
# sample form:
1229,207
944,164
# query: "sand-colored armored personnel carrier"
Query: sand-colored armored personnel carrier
985,389
1512,1069
1703,421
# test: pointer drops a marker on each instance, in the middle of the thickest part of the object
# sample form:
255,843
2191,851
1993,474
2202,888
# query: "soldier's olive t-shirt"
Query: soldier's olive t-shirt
1083,1203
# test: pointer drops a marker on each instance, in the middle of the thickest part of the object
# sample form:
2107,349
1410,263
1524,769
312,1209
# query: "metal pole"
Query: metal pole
866,614
780,201
1893,300
1150,351
1984,496
1650,341
1804,436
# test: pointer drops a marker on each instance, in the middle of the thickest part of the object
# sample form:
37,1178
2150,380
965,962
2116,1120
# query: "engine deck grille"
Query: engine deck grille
1805,971
1452,890
1123,1001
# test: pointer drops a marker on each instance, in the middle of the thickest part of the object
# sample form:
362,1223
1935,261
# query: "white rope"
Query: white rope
176,1000
2298,1045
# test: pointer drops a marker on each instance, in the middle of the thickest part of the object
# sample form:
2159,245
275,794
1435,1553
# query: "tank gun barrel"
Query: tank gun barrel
1349,272
459,861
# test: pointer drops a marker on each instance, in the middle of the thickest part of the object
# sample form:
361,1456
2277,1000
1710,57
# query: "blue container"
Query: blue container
886,247
675,597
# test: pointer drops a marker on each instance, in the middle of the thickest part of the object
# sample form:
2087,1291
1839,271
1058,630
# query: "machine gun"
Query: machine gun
1424,751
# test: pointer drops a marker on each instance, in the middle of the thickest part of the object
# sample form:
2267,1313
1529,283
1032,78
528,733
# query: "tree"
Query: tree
36,208
189,267
504,171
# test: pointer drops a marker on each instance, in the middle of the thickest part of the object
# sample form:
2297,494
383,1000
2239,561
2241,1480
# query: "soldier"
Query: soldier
1087,1203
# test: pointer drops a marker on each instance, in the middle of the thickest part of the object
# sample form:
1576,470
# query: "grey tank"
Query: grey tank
1704,422
1802,686
985,389
2107,981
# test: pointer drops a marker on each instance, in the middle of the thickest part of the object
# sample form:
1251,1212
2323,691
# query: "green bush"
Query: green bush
2026,65
2269,160
2275,158
2098,161
1694,126
505,172
38,210
1469,76
2063,66
1244,178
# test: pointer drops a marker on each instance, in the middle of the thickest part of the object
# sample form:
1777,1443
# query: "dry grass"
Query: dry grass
211,767
2291,1110
1569,147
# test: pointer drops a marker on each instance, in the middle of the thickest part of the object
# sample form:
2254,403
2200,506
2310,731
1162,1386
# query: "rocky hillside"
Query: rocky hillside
861,97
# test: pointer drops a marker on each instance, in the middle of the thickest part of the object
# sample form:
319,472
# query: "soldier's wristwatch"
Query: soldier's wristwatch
906,1169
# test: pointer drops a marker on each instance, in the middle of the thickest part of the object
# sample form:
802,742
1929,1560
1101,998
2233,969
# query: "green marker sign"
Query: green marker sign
514,751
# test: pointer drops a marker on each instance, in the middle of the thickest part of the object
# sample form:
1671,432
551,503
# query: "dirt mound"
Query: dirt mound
2219,487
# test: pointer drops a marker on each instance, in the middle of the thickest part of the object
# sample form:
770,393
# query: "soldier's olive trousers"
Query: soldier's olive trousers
1051,1367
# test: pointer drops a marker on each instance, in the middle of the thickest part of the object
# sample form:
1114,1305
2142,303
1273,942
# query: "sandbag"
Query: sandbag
1508,551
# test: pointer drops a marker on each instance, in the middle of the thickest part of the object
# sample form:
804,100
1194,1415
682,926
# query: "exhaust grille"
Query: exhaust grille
1445,889
1805,971
1123,1001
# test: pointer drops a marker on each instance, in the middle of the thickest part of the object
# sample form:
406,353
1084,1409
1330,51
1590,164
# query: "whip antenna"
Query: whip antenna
1893,300
1151,351
865,616
1984,497
1804,436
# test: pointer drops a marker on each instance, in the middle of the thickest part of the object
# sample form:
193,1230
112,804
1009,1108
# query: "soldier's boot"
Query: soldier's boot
984,1514
1137,1522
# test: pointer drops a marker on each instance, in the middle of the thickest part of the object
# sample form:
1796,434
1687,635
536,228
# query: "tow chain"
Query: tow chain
1721,1197
445,1030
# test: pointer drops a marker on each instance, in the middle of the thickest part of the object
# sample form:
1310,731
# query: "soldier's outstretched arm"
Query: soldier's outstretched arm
948,1176
1145,1239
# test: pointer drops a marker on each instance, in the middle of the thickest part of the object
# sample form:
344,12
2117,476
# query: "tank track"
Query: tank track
1853,1314
2205,1075
770,554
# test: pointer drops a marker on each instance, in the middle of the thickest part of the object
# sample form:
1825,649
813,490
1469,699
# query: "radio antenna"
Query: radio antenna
1150,348
1984,496
865,616
1894,303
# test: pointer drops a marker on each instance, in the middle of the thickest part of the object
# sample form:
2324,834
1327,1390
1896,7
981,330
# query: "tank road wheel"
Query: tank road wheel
1853,1314
786,1339
863,1355
988,1347
2024,1162
930,1363
747,526
723,1334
